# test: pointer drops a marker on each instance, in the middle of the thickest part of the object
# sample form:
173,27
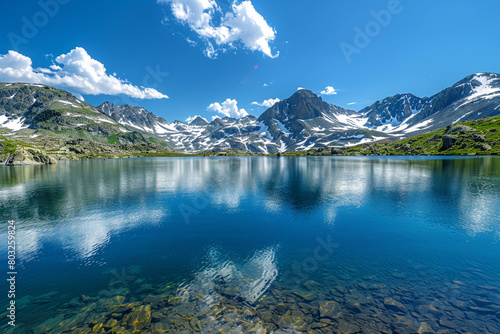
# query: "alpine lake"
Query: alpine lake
254,245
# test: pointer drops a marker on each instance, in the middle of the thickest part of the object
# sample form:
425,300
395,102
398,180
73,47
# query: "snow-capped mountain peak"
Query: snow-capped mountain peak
305,121
197,120
302,121
485,85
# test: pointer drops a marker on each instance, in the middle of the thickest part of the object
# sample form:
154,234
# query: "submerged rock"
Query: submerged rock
312,285
425,328
305,296
43,299
403,327
330,309
481,302
139,318
481,310
160,327
394,305
48,325
348,328
426,309
111,323
448,324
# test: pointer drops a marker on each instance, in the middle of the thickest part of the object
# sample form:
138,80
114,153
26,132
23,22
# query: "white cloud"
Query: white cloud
266,85
242,24
228,108
248,26
267,103
351,103
191,42
75,71
329,90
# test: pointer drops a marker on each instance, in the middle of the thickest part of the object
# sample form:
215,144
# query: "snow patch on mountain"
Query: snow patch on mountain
352,120
14,124
71,104
419,127
282,127
486,87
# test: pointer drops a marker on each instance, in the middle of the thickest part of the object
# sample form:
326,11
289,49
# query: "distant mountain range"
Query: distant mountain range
302,122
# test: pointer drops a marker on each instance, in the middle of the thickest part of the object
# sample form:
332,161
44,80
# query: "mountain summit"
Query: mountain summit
475,96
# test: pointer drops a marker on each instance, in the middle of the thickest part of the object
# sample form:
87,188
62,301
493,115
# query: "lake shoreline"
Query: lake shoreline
54,160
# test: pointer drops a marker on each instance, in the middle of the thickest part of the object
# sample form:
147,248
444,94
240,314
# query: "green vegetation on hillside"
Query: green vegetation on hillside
7,146
479,137
63,127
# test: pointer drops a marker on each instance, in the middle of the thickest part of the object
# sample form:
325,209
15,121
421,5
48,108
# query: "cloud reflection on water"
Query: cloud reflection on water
82,205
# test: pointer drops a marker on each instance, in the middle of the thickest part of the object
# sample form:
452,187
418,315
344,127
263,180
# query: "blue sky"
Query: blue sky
229,50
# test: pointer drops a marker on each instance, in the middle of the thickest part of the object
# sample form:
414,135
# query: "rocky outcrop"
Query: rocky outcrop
448,142
460,128
136,118
27,156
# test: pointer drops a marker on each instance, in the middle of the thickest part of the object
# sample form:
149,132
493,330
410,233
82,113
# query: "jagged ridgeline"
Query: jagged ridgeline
304,121
38,122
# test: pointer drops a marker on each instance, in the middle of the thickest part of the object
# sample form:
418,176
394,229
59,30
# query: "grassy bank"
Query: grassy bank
480,137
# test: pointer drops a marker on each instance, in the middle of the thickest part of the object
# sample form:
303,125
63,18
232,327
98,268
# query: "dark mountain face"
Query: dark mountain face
477,84
44,107
394,109
473,97
27,100
42,116
198,121
136,117
304,118
303,105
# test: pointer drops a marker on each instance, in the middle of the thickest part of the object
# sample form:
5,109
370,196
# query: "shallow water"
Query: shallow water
319,244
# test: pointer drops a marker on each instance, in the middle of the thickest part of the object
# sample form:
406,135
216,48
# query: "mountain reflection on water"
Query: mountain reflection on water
256,242
48,199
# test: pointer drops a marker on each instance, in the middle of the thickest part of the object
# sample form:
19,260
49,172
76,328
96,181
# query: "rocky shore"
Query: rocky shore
27,156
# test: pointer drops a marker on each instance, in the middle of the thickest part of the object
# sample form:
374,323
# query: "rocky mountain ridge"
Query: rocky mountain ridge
304,121
38,122
299,123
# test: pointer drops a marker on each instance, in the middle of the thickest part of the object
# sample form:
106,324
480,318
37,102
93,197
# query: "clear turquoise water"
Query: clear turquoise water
318,244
